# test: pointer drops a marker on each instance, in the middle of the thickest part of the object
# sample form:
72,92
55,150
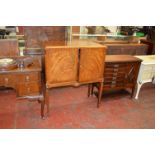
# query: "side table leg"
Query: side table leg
133,90
90,89
139,85
100,93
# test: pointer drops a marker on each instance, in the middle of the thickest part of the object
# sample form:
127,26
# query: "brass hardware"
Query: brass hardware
27,78
28,89
6,80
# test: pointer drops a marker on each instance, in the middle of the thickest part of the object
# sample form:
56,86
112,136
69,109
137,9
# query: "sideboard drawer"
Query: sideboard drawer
28,89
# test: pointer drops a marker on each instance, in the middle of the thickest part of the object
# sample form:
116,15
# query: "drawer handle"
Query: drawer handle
27,78
113,78
116,65
114,74
6,80
28,89
115,69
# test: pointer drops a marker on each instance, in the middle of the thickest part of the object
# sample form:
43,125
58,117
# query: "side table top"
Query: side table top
147,59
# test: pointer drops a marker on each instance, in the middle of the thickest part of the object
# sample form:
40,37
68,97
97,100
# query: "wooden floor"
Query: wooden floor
71,108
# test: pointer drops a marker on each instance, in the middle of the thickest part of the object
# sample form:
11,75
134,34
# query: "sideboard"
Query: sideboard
126,48
146,72
74,63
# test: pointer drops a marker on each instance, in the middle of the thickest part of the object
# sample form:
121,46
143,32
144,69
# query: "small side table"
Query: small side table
146,72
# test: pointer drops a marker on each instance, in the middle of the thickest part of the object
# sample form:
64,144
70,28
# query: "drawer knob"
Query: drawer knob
6,80
27,78
28,89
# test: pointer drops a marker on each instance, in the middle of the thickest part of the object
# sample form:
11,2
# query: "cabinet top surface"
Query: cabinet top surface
73,43
147,59
121,58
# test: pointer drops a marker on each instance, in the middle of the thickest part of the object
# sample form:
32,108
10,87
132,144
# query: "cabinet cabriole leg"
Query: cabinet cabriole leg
47,100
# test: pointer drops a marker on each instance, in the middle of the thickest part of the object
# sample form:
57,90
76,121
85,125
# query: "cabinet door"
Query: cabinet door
61,66
91,64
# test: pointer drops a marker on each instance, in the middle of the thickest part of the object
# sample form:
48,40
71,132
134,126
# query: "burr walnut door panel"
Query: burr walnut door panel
61,66
91,64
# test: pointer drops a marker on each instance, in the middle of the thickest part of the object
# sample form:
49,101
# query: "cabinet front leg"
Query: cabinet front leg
90,89
100,89
139,85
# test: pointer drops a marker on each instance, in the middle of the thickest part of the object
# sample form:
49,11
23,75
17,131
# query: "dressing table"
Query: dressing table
26,80
22,73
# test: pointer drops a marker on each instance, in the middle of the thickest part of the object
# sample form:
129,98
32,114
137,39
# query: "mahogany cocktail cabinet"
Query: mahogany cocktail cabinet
74,63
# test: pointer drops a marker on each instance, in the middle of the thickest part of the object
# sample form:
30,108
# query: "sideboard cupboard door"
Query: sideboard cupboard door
91,64
61,66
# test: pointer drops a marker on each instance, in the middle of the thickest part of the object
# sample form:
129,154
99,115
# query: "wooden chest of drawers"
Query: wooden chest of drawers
120,72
